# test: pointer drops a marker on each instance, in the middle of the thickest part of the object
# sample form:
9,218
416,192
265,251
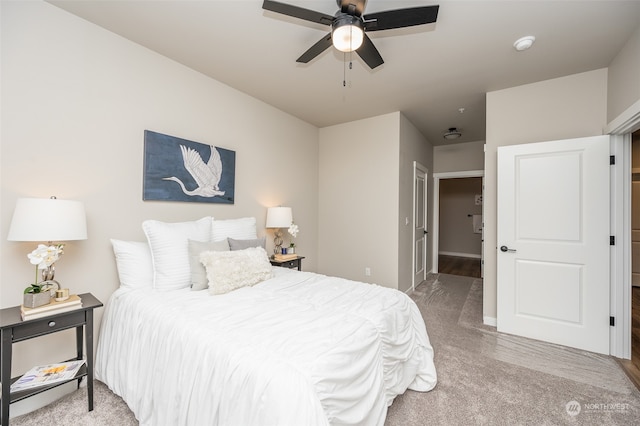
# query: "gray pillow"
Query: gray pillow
198,271
245,244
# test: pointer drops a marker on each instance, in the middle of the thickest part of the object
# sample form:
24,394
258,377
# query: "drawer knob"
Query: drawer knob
52,323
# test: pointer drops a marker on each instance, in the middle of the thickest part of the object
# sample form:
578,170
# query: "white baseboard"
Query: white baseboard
493,322
453,253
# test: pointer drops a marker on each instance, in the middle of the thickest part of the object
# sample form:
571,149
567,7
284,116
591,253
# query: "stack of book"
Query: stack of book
52,308
284,257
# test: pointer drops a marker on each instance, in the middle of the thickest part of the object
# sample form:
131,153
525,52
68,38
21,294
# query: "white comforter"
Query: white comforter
298,349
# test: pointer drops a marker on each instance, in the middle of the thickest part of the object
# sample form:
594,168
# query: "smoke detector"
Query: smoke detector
524,43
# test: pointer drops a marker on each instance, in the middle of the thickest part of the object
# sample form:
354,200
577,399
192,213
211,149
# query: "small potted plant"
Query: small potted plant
43,257
293,230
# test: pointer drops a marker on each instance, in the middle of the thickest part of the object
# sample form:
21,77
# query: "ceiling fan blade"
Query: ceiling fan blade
369,53
401,18
297,12
323,44
352,7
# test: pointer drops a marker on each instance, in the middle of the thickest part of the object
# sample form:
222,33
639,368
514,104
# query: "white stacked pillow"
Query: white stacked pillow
239,229
170,259
133,260
169,244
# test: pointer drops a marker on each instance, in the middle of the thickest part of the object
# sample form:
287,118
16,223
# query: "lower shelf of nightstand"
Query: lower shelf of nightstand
26,393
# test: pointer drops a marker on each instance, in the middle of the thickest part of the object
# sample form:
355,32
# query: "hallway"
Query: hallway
461,266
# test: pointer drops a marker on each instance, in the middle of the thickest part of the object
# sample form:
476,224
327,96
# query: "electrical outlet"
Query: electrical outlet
367,271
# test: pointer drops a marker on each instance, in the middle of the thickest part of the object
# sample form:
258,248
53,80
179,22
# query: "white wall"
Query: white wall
624,78
365,194
76,100
458,157
562,108
413,147
358,200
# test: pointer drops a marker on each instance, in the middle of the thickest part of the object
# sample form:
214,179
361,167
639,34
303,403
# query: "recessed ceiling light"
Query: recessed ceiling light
524,43
452,133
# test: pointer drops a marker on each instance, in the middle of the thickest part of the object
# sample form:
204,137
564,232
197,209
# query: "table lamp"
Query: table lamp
278,218
48,220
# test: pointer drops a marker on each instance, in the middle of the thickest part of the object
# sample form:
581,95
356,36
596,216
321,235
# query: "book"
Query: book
73,300
284,257
47,374
36,315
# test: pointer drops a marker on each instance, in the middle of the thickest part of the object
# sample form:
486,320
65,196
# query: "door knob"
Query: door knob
506,249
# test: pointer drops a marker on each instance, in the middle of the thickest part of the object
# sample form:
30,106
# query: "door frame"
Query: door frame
418,167
435,238
620,130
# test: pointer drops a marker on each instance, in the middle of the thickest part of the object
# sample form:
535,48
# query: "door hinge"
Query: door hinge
612,321
612,240
612,160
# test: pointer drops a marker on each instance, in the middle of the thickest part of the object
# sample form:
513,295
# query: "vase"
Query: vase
33,300
291,250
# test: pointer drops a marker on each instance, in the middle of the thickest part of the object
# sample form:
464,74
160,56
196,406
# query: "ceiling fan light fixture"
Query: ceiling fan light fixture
452,133
347,33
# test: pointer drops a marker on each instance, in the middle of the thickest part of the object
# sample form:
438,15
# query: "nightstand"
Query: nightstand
291,264
14,330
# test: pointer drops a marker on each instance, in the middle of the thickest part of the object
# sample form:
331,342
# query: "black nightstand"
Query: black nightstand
291,264
14,330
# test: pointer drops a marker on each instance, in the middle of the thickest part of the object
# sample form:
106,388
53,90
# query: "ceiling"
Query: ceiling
430,71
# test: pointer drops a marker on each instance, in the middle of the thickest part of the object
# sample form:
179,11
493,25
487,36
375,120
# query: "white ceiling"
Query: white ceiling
430,71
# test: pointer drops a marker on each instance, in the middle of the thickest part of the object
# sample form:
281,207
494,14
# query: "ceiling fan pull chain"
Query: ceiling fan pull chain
344,69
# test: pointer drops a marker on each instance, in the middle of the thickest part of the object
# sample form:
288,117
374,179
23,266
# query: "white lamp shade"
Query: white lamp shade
279,217
48,219
347,38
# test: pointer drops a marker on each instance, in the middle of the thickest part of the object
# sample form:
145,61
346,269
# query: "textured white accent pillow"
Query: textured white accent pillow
240,229
198,273
133,260
169,244
230,270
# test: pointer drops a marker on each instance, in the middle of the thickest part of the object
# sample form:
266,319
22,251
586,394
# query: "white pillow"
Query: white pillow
133,260
169,244
230,270
198,273
239,229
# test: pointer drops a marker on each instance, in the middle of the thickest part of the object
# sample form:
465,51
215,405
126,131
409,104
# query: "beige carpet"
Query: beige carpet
484,377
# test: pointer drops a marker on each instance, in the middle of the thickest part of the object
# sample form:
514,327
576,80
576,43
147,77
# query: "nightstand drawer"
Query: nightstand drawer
48,325
290,264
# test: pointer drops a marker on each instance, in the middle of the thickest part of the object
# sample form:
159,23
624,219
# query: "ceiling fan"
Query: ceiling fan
349,24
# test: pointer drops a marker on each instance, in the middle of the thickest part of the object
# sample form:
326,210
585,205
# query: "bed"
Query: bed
296,348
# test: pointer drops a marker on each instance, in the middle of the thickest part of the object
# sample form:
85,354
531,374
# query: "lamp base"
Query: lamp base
277,242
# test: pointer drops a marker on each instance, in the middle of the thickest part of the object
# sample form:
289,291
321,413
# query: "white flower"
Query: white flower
293,230
45,256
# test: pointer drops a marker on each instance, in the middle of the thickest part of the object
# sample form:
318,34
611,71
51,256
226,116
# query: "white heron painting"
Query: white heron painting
181,170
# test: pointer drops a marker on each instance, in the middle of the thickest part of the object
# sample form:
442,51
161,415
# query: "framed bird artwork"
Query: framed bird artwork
178,169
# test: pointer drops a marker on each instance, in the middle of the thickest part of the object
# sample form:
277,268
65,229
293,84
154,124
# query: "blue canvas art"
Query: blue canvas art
177,169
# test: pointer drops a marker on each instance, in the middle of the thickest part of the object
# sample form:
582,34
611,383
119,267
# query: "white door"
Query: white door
553,242
482,243
419,224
